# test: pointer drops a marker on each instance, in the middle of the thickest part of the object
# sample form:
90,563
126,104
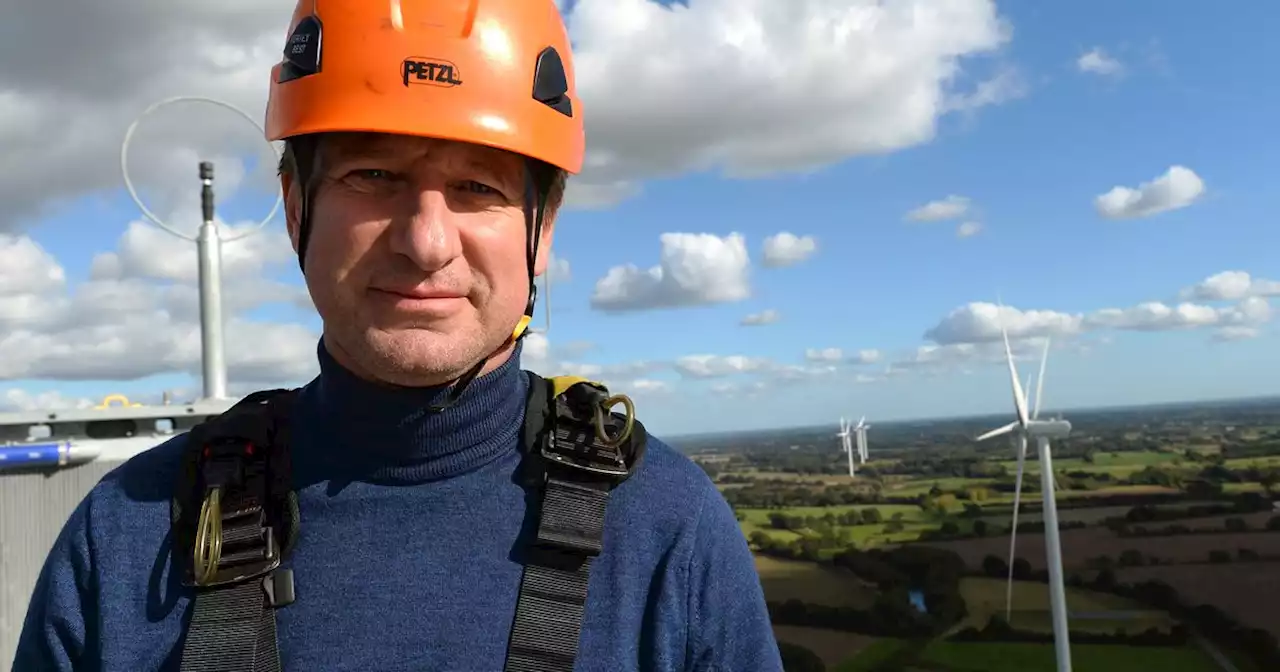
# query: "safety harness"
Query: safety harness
235,519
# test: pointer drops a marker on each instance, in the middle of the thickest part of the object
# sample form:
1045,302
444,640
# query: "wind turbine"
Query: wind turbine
1043,431
860,432
845,443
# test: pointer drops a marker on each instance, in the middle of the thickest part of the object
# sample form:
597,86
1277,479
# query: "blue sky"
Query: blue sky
1197,90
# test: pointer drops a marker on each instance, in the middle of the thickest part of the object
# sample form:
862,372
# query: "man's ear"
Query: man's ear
292,207
544,243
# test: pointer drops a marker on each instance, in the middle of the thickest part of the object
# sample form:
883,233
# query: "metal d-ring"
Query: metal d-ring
628,420
208,547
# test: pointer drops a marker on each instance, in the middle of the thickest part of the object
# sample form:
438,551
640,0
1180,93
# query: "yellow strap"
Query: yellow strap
520,327
561,384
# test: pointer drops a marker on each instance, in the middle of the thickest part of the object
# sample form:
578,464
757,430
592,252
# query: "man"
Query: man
427,147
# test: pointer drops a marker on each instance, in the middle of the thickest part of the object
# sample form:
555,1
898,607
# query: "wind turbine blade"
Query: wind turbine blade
1013,531
1044,359
997,432
1019,397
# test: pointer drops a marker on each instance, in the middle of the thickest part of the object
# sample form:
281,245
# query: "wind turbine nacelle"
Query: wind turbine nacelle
1049,429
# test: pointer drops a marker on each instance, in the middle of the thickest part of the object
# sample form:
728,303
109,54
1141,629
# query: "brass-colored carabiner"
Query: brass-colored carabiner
627,423
207,552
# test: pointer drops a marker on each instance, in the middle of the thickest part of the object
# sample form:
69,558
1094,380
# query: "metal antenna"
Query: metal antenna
208,246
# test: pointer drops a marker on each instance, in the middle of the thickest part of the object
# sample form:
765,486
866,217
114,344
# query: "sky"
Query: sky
789,212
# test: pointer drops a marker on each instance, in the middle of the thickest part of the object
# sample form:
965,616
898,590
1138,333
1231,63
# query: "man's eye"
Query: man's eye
478,188
372,174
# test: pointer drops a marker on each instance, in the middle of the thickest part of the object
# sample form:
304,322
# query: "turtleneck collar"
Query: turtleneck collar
356,429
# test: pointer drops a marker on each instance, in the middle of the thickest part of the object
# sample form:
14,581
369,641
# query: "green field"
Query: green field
913,518
813,583
834,647
1007,657
872,655
1092,611
1117,464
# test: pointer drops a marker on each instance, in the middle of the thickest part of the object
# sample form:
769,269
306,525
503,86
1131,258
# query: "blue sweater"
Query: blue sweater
408,520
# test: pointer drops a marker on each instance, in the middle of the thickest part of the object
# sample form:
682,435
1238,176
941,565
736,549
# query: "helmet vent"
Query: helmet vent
550,85
302,51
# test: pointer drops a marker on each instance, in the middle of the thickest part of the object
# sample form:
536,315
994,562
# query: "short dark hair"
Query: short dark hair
289,166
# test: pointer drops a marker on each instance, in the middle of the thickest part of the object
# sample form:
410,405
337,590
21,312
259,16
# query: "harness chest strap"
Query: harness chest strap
235,519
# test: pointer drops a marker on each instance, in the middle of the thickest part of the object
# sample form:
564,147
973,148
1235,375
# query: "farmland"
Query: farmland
1175,511
1014,657
1079,546
1093,611
1248,592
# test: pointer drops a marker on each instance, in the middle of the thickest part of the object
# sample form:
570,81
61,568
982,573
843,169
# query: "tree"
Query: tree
1132,558
871,516
1219,556
980,528
1021,569
995,566
1236,524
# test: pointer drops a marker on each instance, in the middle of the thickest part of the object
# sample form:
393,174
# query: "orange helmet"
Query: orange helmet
490,72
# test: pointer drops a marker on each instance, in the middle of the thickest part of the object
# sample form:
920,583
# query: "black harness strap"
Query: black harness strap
572,471
235,518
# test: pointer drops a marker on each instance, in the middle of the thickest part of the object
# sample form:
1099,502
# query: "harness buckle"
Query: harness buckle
581,439
248,548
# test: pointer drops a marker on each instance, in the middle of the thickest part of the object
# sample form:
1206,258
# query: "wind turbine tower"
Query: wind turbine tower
1026,427
846,443
860,432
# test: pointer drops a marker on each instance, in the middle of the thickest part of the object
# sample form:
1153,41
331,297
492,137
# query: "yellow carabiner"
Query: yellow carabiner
627,423
208,547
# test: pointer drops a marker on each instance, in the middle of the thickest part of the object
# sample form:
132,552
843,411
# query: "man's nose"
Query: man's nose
429,235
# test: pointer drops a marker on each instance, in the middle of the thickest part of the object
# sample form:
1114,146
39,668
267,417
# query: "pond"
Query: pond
917,600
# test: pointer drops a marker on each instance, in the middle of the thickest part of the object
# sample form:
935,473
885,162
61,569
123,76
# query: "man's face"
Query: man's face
416,255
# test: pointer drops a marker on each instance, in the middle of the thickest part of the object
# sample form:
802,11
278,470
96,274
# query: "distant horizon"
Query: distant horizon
980,416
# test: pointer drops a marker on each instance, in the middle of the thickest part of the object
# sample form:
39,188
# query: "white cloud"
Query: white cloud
980,321
715,366
1154,316
538,355
1096,61
693,269
147,251
951,207
1231,286
712,83
558,270
1177,188
838,356
768,316
1157,316
138,315
666,89
16,399
787,249
1236,333
968,229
